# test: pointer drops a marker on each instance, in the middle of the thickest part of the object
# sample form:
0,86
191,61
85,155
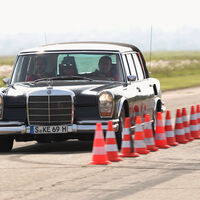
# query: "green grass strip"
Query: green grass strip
7,60
178,82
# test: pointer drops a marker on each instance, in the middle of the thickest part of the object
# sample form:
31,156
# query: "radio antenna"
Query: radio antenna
150,45
45,38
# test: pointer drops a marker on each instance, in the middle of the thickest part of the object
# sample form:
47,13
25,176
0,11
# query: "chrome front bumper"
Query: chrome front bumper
89,126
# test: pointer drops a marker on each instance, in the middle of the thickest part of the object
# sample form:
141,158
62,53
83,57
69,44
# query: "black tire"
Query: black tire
154,121
6,144
121,126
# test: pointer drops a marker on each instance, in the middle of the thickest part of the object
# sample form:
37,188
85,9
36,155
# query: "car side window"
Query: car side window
126,65
131,65
138,67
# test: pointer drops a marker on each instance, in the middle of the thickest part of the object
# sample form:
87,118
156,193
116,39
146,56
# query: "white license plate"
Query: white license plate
48,129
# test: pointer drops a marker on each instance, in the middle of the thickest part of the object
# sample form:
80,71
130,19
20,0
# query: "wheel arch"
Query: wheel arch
157,104
123,103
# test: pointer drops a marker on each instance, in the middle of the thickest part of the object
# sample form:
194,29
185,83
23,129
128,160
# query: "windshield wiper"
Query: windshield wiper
64,78
71,78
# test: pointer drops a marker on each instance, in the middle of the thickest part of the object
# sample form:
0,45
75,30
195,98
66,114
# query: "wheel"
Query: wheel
121,126
6,144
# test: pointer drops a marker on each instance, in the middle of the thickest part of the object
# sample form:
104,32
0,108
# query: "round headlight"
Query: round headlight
106,104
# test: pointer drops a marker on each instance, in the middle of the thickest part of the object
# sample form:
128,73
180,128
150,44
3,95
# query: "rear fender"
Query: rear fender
159,105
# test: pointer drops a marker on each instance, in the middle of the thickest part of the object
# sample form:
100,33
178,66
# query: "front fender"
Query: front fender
120,105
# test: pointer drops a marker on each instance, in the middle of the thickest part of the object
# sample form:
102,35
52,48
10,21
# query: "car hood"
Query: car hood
84,93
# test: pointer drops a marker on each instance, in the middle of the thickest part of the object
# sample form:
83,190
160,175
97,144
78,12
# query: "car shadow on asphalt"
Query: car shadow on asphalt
66,147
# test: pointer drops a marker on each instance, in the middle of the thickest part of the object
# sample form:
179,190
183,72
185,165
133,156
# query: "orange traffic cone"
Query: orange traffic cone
139,143
194,128
160,138
148,134
99,152
198,116
169,130
186,125
111,145
179,130
127,149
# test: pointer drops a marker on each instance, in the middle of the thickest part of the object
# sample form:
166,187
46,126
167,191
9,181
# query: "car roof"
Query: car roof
86,46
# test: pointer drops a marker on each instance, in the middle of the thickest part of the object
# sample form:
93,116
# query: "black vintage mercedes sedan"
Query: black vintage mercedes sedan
60,91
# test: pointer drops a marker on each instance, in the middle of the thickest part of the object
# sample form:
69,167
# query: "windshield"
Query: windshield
89,65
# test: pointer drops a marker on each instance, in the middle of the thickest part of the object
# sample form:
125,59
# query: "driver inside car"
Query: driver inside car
40,70
106,69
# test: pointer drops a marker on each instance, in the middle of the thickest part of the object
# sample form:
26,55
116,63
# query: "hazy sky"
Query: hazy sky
95,19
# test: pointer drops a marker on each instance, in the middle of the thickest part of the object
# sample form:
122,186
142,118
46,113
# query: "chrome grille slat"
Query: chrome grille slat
50,110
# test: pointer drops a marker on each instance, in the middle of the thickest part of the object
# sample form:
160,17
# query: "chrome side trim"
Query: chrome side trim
74,128
10,123
97,121
12,130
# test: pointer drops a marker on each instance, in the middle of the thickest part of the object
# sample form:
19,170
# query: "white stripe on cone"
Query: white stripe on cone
125,131
147,125
179,132
194,127
99,151
126,144
111,147
111,134
160,136
139,128
168,122
169,133
159,123
193,117
139,144
179,120
99,135
149,141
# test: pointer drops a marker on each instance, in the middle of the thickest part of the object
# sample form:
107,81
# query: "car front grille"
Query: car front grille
50,110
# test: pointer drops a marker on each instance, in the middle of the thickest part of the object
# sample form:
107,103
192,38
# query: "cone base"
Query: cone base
113,156
182,142
196,137
142,151
99,163
129,155
152,148
173,144
163,146
190,139
115,160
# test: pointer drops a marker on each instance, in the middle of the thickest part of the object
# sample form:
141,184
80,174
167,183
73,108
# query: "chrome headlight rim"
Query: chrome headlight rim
112,103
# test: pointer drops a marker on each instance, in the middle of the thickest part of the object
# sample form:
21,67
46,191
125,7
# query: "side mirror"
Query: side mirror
149,74
6,81
131,78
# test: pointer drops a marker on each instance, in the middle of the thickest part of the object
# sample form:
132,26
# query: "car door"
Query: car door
134,94
145,86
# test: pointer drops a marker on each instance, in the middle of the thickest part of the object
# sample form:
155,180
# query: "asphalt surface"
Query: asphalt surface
61,171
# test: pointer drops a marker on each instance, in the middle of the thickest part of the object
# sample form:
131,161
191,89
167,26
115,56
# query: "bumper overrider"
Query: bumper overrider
89,126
